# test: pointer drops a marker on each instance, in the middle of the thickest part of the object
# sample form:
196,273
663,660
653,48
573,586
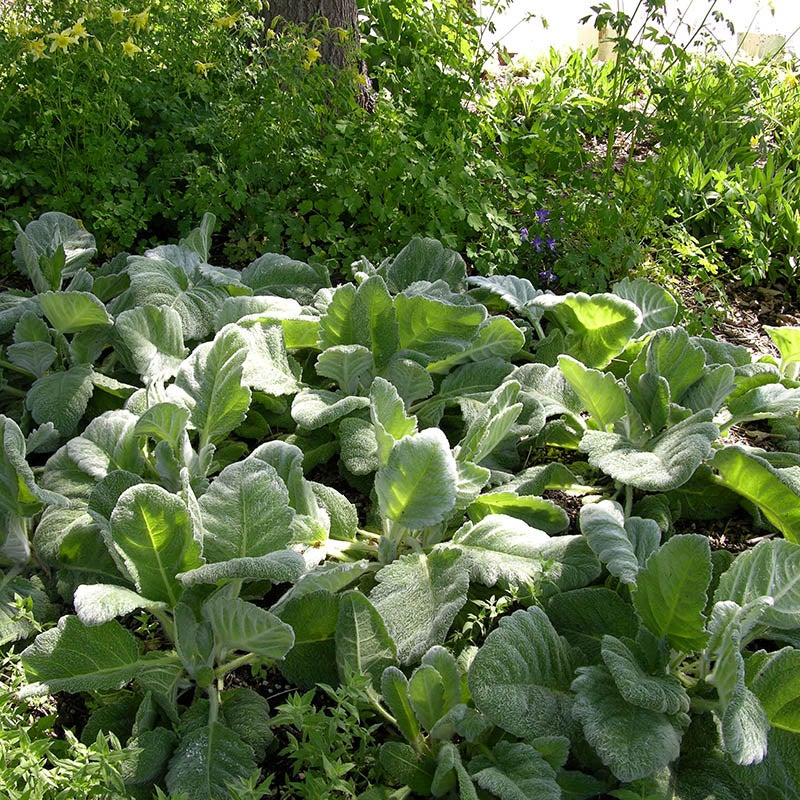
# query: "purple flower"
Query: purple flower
523,234
537,243
542,216
548,276
551,243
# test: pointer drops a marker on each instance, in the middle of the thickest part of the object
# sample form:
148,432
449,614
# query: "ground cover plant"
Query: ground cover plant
469,522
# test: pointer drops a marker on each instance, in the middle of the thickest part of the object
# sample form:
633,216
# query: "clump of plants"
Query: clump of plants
460,504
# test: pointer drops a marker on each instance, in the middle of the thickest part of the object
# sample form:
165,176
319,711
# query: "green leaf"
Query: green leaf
502,548
426,260
418,597
426,694
61,398
584,616
239,625
39,245
246,713
770,401
154,338
163,422
770,569
336,323
597,327
491,425
520,677
199,239
358,446
152,530
671,591
417,487
212,380
745,728
267,367
517,292
663,463
662,693
394,689
776,684
497,337
755,480
318,408
20,493
406,767
633,742
283,566
70,312
97,603
167,276
538,512
350,365
601,394
250,310
35,357
515,771
411,379
657,305
245,512
787,340
622,545
107,444
209,763
280,275
389,418
74,658
374,321
13,625
313,616
363,645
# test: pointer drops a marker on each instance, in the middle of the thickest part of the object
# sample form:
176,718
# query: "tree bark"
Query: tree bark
342,14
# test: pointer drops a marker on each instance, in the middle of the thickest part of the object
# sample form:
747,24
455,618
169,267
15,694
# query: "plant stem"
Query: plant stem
241,661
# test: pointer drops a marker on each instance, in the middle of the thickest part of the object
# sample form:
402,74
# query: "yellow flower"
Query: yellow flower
78,30
117,16
139,21
312,54
755,141
790,80
202,67
130,49
37,48
228,21
61,41
18,28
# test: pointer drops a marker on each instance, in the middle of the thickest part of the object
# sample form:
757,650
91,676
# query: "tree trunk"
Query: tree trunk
339,14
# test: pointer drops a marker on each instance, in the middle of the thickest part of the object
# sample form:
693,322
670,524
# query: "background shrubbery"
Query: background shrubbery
137,120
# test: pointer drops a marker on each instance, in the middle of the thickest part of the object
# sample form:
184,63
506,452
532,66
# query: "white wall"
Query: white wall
532,38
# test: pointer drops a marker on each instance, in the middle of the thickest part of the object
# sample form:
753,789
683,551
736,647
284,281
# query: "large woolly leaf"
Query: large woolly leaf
770,569
671,592
152,530
280,275
633,742
584,616
239,625
96,603
787,340
316,408
163,422
538,512
313,616
61,398
769,401
520,677
19,492
497,337
154,337
597,326
389,419
374,323
776,684
51,248
599,392
432,329
394,688
491,425
663,463
211,763
212,380
107,444
267,367
245,512
417,487
350,365
74,658
283,566
622,545
517,292
657,305
502,548
363,645
426,260
168,277
516,771
756,480
70,312
418,597
661,692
